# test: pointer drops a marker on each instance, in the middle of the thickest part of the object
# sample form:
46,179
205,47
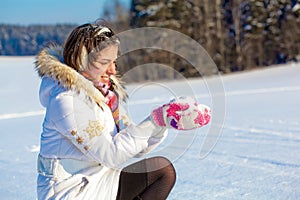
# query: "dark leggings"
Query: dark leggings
151,178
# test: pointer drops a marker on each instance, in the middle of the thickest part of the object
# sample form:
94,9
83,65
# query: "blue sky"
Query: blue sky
26,12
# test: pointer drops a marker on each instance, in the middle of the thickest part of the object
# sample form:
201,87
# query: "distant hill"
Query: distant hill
28,40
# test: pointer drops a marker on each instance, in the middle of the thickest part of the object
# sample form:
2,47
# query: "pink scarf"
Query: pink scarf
111,99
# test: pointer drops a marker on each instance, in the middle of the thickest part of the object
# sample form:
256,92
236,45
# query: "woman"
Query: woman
84,142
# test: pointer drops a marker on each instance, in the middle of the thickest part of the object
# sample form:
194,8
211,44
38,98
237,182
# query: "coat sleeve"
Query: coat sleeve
155,139
91,131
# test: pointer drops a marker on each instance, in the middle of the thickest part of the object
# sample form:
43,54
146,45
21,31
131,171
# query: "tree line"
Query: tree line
237,34
29,40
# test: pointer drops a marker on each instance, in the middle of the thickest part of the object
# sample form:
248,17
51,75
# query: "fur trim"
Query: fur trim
118,87
49,62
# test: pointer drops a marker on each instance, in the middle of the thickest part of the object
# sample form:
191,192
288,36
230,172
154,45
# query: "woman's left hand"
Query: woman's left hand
183,113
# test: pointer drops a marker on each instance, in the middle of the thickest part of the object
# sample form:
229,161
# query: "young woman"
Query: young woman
84,142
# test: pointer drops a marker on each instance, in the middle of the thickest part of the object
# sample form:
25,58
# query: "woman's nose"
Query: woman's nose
112,69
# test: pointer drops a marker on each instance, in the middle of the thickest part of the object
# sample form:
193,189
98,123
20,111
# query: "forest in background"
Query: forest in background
238,35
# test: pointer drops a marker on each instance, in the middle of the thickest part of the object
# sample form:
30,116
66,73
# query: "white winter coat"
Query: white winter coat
81,150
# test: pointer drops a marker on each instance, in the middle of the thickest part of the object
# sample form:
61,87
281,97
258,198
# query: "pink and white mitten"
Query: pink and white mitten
183,113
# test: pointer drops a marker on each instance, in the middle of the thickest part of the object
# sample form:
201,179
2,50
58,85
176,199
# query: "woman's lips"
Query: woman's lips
105,78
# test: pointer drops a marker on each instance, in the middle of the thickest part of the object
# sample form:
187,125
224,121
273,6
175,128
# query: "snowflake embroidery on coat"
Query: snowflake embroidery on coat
94,128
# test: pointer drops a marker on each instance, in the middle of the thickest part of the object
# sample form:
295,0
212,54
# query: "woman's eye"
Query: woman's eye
101,63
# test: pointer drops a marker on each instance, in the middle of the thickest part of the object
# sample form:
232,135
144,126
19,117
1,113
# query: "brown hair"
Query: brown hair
85,40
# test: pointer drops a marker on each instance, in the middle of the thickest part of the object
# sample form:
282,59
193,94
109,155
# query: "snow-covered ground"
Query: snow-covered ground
257,155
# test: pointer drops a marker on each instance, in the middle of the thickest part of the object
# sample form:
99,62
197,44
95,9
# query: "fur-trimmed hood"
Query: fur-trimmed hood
49,63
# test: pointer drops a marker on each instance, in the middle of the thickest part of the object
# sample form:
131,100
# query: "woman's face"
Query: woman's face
103,65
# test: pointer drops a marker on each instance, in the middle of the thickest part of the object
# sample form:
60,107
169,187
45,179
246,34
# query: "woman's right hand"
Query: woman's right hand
183,113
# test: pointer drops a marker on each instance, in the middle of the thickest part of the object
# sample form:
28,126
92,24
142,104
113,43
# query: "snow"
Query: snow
256,156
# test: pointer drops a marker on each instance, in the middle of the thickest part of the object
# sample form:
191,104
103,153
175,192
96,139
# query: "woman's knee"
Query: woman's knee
170,172
163,165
